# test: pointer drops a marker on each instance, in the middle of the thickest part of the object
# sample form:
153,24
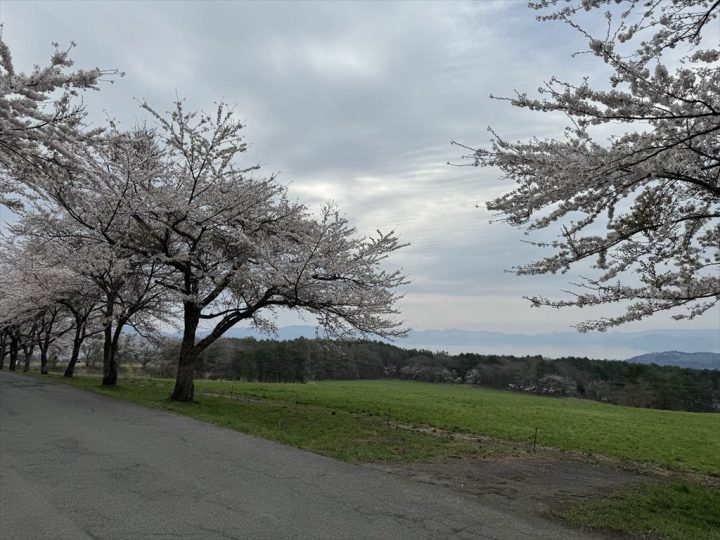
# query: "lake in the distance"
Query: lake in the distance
598,352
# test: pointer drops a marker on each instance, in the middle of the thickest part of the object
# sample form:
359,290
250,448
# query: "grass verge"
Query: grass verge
353,420
330,431
670,510
675,440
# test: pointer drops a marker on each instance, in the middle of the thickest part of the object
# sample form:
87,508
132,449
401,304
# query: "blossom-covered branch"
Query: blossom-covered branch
40,117
644,206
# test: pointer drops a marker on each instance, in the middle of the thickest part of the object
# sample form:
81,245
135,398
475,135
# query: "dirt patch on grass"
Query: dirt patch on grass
523,484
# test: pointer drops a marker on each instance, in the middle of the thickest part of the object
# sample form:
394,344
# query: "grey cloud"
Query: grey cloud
355,102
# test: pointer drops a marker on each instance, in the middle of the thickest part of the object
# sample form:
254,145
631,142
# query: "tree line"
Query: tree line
306,360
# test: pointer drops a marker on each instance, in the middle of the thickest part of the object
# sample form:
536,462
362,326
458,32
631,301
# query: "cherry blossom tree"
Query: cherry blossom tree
150,216
22,324
65,301
82,307
643,206
9,340
97,278
52,325
15,336
18,311
81,217
40,120
239,248
33,299
39,116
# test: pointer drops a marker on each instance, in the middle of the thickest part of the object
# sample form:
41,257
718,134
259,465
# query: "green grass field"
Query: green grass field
349,420
676,440
326,430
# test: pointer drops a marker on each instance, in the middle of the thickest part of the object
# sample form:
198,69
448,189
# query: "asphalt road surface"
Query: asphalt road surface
77,465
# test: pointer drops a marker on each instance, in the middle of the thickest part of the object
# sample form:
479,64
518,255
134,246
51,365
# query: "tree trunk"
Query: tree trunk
44,359
184,387
28,351
109,363
112,373
3,352
13,353
70,369
80,327
45,338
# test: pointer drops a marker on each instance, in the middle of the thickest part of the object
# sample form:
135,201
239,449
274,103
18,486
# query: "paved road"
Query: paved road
77,465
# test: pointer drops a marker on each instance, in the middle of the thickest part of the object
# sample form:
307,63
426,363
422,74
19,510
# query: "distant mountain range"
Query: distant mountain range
605,345
699,360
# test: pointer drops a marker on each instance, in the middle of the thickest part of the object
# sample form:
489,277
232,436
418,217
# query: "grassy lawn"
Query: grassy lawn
331,431
349,420
673,511
676,440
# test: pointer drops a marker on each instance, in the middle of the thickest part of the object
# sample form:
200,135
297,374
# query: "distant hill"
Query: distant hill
602,345
698,360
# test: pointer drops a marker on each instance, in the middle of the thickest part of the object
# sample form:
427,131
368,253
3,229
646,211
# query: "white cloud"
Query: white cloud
338,61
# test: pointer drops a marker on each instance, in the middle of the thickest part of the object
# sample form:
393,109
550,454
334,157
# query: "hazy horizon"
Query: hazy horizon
613,345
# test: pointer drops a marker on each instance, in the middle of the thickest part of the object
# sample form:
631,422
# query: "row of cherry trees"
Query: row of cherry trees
161,226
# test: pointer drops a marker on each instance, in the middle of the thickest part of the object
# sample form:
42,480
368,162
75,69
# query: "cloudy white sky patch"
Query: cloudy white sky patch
355,103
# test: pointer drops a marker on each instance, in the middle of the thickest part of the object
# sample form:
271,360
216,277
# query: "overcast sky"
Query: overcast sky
358,103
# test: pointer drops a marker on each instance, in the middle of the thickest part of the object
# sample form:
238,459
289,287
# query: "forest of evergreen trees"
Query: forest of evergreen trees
304,360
